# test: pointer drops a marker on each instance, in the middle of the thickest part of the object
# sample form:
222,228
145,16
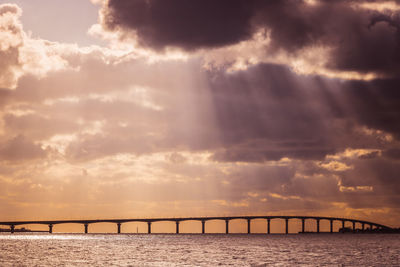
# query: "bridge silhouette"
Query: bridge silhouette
203,221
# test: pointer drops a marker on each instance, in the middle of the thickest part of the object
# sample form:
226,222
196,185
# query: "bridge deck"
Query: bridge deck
224,218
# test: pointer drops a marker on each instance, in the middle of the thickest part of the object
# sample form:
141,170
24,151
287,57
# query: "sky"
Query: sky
170,108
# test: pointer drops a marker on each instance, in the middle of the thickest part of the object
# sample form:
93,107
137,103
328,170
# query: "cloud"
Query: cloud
180,23
267,112
376,36
12,39
378,174
96,2
393,153
375,104
20,149
20,54
352,41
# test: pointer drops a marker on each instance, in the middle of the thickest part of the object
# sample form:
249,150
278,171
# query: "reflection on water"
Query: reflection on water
199,250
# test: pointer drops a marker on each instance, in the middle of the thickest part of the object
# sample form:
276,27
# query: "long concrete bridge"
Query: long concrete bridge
203,220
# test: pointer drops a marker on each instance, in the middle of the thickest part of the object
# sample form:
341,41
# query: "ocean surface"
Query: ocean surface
27,249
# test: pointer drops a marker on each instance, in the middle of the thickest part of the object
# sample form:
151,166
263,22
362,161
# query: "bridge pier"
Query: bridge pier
268,226
226,226
354,226
331,225
177,227
317,225
50,228
119,228
286,226
86,228
343,225
149,227
363,227
203,226
248,226
12,228
303,221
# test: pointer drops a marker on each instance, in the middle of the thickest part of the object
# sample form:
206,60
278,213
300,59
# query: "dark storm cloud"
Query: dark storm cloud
187,24
208,23
393,153
361,40
268,107
268,112
373,47
266,93
381,175
375,104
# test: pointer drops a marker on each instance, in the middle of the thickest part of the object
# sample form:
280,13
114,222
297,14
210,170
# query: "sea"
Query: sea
32,249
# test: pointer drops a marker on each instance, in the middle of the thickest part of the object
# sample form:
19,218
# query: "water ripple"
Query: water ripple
198,250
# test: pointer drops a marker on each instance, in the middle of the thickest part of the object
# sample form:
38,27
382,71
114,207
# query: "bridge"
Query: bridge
203,220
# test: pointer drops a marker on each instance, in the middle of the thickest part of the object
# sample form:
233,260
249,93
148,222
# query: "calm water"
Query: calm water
199,250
